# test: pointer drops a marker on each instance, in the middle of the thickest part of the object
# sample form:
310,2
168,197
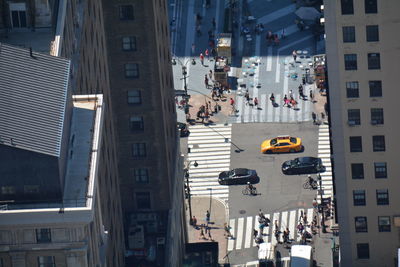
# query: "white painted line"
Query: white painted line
265,100
231,241
266,229
249,231
269,109
239,237
246,113
309,215
275,218
269,59
255,227
284,222
292,224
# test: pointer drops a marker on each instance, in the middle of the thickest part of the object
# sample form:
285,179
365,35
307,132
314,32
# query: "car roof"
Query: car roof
241,171
307,159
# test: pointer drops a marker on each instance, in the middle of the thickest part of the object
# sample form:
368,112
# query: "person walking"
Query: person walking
286,236
276,40
232,103
202,236
194,221
227,229
300,228
314,117
277,235
202,59
207,216
294,54
214,23
198,30
247,97
210,73
255,101
272,98
255,233
305,220
293,103
207,53
206,81
285,101
311,96
193,49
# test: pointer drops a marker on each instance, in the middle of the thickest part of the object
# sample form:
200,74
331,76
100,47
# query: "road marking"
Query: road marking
239,237
275,218
292,223
284,221
249,228
309,216
269,59
256,223
264,99
231,240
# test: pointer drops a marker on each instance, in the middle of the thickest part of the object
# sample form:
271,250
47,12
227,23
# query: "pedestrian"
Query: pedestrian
209,235
247,97
206,81
207,54
202,234
276,40
314,117
276,224
193,49
302,213
300,228
277,235
312,95
293,103
269,37
315,203
290,94
207,216
303,80
305,219
294,54
286,235
213,52
283,34
207,114
261,228
232,103
194,221
261,214
214,23
198,30
202,59
210,74
198,18
227,229
255,233
301,93
285,101
272,98
255,101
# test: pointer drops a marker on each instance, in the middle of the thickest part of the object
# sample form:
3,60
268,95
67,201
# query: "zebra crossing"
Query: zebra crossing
324,152
268,113
242,228
210,148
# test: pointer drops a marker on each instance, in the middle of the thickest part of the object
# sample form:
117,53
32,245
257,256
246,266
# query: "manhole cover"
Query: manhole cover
242,211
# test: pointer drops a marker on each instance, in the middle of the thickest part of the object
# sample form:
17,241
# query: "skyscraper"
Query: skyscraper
362,53
142,94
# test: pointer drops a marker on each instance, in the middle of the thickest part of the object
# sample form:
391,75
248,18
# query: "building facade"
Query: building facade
363,50
142,93
75,30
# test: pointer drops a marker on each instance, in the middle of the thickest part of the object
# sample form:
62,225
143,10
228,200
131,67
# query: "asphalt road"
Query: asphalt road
278,192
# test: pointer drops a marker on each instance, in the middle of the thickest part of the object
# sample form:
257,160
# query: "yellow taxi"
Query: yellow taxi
281,144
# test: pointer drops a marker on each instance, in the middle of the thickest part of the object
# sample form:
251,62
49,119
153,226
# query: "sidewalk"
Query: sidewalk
217,220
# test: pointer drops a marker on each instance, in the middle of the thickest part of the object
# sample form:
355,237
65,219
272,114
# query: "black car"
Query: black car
303,165
238,176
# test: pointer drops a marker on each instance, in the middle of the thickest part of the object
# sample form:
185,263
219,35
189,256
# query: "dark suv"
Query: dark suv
303,165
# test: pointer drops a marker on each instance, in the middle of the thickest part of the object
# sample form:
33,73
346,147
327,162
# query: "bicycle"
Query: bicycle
310,184
248,191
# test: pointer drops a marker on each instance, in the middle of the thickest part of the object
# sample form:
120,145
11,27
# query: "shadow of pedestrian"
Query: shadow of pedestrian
275,105
259,109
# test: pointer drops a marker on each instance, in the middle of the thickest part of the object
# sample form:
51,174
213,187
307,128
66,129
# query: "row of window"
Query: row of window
378,143
380,170
375,89
349,33
361,225
354,116
382,197
374,61
370,7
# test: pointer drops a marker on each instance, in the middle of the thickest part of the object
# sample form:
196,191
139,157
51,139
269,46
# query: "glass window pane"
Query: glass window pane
357,170
372,33
352,89
350,61
134,97
363,251
347,7
126,12
355,144
384,223
359,197
371,6
378,143
382,197
136,123
374,61
377,116
361,224
143,200
380,169
349,34
353,117
375,88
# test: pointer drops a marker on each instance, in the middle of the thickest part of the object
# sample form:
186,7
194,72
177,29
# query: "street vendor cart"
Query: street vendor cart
224,46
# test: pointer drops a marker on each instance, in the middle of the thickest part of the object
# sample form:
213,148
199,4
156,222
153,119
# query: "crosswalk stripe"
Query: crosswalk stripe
231,241
239,236
255,227
292,224
249,230
264,99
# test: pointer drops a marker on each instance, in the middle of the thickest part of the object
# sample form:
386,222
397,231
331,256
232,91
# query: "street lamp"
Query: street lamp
184,68
322,204
210,200
186,170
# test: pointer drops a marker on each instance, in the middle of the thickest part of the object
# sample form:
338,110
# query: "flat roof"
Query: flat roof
81,174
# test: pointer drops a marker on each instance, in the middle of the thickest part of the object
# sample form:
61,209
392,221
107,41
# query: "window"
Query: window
143,200
361,224
350,61
374,61
352,89
139,150
359,197
134,97
46,261
126,12
136,123
372,33
357,170
43,235
129,43
131,70
353,116
384,223
355,144
363,251
378,143
380,169
349,34
382,197
8,190
371,6
375,88
347,7
141,175
376,116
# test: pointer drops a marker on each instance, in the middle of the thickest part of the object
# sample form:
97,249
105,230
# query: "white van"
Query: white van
267,255
301,256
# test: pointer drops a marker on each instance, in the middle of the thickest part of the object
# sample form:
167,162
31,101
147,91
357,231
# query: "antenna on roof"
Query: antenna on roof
31,53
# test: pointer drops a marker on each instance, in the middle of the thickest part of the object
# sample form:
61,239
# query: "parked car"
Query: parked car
303,165
238,176
281,144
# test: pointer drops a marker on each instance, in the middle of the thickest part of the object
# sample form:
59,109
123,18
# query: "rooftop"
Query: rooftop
81,175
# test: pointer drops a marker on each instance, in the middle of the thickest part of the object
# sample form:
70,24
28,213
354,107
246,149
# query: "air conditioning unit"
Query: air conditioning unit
374,122
351,123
